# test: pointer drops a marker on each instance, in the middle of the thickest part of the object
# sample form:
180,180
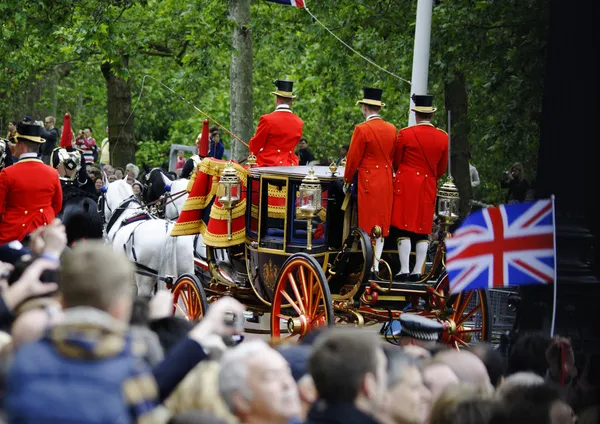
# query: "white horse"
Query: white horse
145,241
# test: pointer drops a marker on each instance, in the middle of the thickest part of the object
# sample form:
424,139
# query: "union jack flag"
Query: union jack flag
508,245
295,3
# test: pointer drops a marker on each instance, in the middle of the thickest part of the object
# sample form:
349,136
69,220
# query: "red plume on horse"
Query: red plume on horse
203,146
66,138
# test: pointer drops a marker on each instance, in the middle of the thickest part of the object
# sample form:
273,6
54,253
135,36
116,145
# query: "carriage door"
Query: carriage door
273,212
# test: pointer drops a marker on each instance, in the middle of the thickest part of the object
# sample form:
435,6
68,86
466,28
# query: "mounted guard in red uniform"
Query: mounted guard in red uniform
278,132
30,191
370,155
420,159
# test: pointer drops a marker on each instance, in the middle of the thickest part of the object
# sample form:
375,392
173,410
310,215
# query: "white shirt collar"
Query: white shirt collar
282,106
375,115
28,155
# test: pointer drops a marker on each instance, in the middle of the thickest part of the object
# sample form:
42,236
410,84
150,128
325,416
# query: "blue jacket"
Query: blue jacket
45,387
216,150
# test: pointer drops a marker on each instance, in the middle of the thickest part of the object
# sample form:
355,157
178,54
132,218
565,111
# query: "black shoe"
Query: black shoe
401,278
415,278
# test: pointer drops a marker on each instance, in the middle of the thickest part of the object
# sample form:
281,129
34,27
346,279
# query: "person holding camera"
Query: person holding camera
514,180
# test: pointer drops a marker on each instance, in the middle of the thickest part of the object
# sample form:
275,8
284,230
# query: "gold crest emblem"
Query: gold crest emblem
270,272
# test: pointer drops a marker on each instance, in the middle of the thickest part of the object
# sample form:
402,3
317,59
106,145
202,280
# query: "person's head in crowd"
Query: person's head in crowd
408,400
200,389
518,380
344,150
98,183
137,188
28,120
119,173
94,275
180,154
297,356
196,416
437,377
112,178
528,353
130,180
132,170
256,383
492,359
537,404
33,320
349,366
215,135
108,169
467,367
463,404
303,144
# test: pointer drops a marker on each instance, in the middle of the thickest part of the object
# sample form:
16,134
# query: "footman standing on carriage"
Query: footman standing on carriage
369,168
278,132
30,191
420,159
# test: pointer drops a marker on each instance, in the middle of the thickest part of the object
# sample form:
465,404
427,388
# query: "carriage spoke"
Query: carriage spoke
291,302
292,282
460,320
304,289
464,304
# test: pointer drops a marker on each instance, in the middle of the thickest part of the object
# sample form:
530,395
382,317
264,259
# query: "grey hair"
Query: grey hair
234,369
134,168
516,380
397,362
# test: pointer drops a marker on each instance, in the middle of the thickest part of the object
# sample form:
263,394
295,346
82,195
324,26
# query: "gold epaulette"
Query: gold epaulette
442,131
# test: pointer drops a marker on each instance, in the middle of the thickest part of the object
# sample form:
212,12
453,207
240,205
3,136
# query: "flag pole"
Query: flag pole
555,268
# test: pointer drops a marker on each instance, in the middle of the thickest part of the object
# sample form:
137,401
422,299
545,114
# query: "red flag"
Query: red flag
295,3
203,147
66,138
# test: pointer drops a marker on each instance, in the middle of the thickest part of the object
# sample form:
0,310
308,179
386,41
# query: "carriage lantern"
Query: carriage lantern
230,189
251,161
448,200
310,202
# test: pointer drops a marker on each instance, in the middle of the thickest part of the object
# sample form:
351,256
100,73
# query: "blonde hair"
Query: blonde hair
93,274
444,410
200,390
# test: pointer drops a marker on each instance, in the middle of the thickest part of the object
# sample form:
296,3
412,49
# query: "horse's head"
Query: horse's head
113,196
175,205
156,183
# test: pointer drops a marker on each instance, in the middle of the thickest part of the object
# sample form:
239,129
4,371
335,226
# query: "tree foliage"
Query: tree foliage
52,51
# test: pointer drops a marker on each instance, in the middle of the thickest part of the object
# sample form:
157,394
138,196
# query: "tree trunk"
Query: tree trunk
120,128
456,101
241,78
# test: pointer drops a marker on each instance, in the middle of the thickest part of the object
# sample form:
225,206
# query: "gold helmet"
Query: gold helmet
70,160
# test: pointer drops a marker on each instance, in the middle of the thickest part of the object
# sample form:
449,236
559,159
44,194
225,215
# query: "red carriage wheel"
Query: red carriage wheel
301,298
466,314
189,298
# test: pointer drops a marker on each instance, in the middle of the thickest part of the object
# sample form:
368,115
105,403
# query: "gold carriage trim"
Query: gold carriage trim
211,167
274,191
220,240
195,203
277,212
188,228
221,214
254,211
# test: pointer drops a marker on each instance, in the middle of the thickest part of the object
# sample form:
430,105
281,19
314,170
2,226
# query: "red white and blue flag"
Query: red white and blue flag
295,3
508,245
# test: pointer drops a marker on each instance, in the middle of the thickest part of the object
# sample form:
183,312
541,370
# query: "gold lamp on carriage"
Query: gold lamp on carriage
229,192
310,202
448,201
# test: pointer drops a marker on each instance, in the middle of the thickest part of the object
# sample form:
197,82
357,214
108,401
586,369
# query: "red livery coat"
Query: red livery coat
370,154
30,196
420,159
276,137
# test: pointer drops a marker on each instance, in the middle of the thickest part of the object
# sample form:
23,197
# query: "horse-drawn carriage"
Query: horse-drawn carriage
288,246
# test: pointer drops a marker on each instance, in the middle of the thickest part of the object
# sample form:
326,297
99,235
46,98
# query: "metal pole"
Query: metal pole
449,144
420,69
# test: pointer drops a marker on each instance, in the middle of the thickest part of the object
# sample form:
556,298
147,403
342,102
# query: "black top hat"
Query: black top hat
29,132
372,96
284,89
420,328
423,103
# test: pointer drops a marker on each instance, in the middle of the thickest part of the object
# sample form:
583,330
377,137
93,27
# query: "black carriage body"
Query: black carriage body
274,231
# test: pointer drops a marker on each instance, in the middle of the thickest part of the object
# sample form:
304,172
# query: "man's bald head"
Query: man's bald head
467,367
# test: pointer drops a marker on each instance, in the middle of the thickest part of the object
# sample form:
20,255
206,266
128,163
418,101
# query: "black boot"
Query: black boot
414,278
